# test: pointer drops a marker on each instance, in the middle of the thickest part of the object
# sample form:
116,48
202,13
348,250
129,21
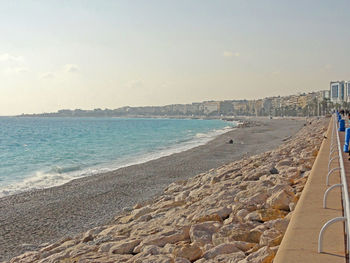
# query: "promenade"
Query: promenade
300,242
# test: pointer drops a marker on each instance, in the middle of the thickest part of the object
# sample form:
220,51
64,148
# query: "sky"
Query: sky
109,54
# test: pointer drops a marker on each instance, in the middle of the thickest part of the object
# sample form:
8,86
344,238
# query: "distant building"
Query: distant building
192,109
326,94
267,106
276,102
302,101
210,107
226,107
259,107
347,91
179,109
240,107
290,101
337,91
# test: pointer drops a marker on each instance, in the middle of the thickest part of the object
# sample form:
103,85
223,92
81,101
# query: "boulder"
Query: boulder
235,232
191,252
98,257
202,233
279,224
208,217
61,248
271,238
281,200
141,211
226,248
182,196
240,215
284,162
291,207
56,257
124,247
81,249
228,258
253,216
271,214
273,170
242,245
258,198
263,255
27,257
181,260
154,259
171,204
165,237
151,250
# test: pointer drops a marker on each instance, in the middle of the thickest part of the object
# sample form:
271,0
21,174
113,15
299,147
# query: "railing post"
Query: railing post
330,161
320,237
326,193
329,173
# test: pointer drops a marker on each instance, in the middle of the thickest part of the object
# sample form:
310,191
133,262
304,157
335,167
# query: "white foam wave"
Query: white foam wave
39,180
58,176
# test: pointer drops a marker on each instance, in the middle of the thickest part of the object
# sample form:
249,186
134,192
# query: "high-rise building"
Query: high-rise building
347,91
338,92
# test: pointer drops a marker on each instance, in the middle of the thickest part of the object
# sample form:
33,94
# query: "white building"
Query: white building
347,91
210,107
326,94
337,91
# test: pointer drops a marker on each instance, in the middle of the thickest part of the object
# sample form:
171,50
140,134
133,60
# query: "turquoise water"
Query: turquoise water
43,152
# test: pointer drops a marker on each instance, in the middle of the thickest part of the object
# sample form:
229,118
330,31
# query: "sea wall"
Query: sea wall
236,213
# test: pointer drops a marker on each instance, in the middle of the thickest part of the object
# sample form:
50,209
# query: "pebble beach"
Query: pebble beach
218,202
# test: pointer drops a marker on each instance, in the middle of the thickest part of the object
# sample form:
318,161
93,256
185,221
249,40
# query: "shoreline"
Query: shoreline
32,218
44,179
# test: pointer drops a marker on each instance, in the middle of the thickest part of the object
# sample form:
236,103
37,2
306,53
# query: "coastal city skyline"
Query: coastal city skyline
313,103
67,55
304,104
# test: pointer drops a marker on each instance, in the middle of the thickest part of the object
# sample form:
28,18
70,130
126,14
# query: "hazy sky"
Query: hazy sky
109,54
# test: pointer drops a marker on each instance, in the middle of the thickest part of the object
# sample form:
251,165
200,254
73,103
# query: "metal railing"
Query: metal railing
335,153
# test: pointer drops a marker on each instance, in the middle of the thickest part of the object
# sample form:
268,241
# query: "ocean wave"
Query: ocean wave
39,180
62,170
59,175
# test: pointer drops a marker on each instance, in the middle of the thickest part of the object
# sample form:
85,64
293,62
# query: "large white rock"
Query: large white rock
202,233
141,211
281,200
167,236
263,255
191,252
226,248
271,238
124,247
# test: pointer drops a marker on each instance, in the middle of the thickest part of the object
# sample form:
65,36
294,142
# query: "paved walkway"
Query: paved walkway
300,242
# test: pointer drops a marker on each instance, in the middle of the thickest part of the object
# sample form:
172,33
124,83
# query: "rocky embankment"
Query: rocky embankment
236,213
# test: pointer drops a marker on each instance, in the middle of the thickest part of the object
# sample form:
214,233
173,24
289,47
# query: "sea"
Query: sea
38,152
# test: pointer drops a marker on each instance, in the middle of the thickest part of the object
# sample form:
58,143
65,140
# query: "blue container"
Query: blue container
342,125
347,139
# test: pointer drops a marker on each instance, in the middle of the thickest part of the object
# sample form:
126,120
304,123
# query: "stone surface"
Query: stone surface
226,248
281,200
124,247
188,251
263,255
202,233
271,238
154,259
